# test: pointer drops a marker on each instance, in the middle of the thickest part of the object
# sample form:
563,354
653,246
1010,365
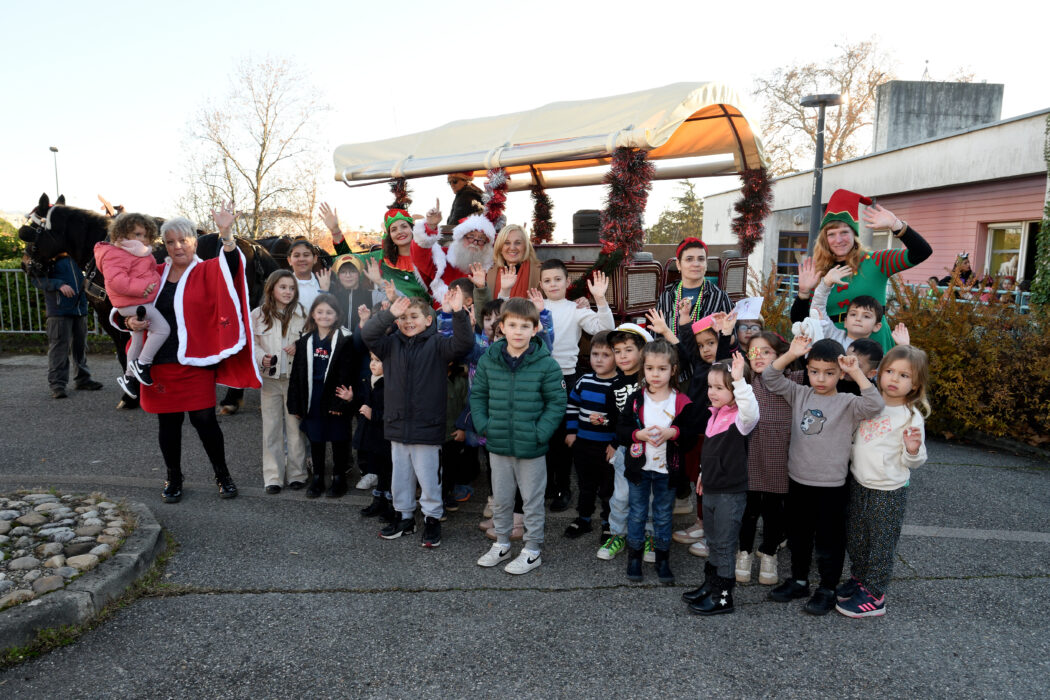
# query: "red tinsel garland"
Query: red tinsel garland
496,195
542,223
754,205
629,179
399,188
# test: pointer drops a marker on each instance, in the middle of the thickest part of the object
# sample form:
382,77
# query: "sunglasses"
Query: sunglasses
455,180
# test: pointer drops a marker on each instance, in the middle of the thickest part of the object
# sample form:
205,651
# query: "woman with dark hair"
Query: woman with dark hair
394,261
838,244
704,296
961,270
205,303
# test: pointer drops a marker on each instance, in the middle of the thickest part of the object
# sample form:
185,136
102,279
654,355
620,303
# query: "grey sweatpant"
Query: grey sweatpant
414,463
145,345
873,527
528,476
723,513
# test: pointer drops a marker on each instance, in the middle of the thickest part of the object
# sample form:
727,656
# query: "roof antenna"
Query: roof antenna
926,73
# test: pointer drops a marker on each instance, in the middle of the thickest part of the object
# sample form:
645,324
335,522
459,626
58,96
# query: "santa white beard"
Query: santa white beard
461,257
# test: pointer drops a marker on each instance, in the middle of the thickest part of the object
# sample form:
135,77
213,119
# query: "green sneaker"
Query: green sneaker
649,554
613,546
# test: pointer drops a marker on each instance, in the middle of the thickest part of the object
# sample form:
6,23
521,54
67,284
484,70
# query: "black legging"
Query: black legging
340,457
169,434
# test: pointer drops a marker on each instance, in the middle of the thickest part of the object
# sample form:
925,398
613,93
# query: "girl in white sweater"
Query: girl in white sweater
277,324
885,450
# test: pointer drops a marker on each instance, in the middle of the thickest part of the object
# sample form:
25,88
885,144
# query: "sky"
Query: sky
115,85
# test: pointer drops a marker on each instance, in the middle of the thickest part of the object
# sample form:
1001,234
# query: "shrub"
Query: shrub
989,371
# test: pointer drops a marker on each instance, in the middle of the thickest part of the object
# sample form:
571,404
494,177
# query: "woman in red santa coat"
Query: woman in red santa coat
205,302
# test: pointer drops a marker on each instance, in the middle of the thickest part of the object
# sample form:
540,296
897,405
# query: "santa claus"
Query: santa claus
472,241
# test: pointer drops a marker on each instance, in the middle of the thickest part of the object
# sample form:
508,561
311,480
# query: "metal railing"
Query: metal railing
22,307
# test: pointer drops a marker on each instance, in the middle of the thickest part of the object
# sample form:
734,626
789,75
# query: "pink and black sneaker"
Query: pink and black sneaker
863,604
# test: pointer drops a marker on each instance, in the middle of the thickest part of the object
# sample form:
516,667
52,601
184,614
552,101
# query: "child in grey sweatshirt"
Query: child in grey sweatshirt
823,423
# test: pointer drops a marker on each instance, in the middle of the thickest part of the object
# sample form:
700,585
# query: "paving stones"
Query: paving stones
49,539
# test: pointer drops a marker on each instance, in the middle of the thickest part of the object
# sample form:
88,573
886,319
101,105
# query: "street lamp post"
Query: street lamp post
820,102
54,152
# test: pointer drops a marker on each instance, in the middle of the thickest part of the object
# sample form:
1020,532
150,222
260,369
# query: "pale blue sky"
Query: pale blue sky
114,86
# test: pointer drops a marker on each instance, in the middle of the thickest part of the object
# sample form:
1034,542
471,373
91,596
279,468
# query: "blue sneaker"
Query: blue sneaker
462,493
863,604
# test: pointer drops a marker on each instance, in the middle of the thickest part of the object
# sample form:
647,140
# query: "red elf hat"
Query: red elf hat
843,207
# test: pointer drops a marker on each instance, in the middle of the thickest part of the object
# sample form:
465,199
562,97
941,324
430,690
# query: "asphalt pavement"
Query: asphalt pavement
278,596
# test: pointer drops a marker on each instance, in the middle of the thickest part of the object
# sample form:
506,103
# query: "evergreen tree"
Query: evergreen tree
684,219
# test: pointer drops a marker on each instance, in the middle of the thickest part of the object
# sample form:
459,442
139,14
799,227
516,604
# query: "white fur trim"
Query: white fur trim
180,315
438,289
422,238
440,258
475,222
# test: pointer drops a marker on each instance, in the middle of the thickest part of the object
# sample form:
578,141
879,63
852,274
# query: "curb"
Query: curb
82,599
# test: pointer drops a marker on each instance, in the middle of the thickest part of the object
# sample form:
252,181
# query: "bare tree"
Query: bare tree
258,148
854,71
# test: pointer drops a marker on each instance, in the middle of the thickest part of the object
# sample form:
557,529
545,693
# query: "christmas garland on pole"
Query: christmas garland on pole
402,198
754,205
630,179
495,197
542,223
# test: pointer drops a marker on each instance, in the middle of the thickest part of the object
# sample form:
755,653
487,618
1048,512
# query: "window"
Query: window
791,249
1007,249
883,240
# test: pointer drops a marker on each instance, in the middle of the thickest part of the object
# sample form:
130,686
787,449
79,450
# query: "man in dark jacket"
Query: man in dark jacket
67,311
415,367
468,197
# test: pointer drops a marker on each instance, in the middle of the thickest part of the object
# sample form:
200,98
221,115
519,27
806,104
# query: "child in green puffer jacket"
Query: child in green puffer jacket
517,402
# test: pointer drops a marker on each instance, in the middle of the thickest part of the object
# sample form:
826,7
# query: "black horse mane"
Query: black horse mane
78,230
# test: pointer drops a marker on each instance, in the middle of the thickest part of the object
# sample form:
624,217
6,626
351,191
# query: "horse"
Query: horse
277,247
54,230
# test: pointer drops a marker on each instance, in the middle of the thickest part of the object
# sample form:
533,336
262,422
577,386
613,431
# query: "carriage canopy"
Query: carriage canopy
683,120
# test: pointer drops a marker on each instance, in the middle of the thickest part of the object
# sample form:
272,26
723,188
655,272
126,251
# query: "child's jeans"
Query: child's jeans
145,344
656,485
619,502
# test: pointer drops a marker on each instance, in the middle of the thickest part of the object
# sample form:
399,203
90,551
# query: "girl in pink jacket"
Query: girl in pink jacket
132,281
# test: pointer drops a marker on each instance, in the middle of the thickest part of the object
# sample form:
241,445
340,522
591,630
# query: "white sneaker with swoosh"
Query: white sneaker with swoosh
524,562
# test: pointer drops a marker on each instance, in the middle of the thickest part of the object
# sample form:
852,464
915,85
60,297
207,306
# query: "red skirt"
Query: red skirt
177,388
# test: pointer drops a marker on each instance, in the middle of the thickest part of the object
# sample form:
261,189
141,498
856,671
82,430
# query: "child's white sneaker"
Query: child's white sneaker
699,549
743,567
767,569
693,533
367,482
524,562
497,553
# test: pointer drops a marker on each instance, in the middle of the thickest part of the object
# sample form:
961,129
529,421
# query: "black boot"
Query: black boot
377,507
663,567
700,593
338,487
718,601
316,487
634,564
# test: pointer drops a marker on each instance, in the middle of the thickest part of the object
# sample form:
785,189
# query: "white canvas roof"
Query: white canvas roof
675,121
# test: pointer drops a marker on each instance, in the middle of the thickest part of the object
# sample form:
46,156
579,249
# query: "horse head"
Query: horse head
56,229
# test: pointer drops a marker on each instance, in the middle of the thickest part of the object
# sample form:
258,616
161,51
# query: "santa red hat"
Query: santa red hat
475,222
843,207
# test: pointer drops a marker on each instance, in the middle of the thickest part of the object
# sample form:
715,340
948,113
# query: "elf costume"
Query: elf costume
402,273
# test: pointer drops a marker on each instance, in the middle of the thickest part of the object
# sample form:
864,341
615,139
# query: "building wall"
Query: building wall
909,111
956,219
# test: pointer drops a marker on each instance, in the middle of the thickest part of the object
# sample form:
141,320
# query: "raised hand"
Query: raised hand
800,345
324,279
737,370
434,217
900,334
344,392
912,440
718,320
363,314
536,298
330,217
878,218
224,219
508,277
390,290
454,299
837,276
808,277
399,307
598,285
729,323
373,272
685,306
478,275
656,323
848,364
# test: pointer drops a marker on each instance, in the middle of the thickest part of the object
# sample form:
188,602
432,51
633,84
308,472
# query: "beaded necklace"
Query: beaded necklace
694,313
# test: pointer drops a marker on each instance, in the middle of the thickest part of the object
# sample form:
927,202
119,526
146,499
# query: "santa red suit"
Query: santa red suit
439,267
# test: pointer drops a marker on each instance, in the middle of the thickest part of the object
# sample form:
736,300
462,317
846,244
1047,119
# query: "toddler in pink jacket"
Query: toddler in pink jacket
132,281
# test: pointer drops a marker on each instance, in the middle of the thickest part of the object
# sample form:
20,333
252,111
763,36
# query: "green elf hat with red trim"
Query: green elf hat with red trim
843,207
393,215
